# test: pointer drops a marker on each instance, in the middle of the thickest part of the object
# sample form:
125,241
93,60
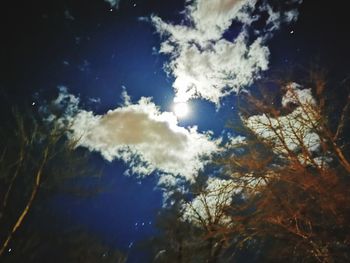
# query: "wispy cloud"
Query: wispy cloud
113,3
141,135
208,65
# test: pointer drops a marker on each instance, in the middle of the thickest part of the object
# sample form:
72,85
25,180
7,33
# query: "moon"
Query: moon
181,109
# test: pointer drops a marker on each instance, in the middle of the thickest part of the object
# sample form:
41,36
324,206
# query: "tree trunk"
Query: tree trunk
28,205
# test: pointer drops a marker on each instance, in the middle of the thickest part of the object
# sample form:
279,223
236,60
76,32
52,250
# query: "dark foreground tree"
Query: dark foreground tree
53,244
284,192
191,226
37,160
295,172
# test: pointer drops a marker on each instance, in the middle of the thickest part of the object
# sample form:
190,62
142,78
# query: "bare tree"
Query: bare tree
285,190
296,172
207,210
34,156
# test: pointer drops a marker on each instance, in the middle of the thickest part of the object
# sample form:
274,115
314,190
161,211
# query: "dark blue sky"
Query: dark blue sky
95,52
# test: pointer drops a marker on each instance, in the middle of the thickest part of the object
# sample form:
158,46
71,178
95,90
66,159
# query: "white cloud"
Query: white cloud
205,64
295,94
125,96
277,18
234,141
218,71
141,135
214,17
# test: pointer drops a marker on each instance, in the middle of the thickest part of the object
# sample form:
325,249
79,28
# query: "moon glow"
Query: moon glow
181,109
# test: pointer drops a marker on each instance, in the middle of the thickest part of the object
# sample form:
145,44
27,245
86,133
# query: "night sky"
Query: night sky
98,52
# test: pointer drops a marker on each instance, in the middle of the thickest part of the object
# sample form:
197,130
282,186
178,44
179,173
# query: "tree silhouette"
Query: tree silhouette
295,172
284,192
35,158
